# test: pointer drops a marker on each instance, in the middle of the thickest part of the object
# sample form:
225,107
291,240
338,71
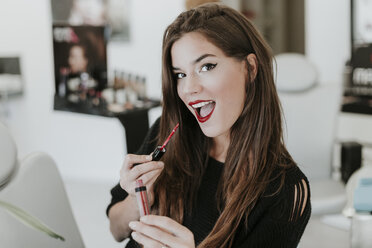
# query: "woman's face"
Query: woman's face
77,60
211,85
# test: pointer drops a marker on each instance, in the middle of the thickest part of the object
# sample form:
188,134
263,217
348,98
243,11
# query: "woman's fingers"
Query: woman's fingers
150,177
168,225
153,230
145,241
150,235
131,159
143,169
148,180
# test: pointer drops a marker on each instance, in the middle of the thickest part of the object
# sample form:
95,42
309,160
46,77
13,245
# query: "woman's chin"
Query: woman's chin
209,131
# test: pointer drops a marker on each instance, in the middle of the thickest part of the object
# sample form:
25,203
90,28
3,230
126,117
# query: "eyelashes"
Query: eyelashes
204,68
208,67
179,75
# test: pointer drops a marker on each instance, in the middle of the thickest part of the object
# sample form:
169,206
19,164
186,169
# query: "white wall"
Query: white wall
83,146
327,37
143,53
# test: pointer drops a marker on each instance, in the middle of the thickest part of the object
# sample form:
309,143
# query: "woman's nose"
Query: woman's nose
192,85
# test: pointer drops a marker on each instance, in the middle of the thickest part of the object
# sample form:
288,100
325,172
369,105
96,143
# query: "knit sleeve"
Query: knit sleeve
282,217
117,193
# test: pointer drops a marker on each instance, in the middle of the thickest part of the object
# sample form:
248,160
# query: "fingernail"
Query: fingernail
143,218
134,235
149,157
132,225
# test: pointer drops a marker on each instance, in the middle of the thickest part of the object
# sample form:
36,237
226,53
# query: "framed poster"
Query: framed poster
358,73
111,13
80,65
10,77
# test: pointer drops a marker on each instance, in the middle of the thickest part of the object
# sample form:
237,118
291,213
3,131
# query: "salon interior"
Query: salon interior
62,146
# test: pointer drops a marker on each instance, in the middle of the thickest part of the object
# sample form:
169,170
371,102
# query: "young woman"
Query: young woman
226,179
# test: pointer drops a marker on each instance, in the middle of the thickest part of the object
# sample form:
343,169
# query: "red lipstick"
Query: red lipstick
197,113
140,190
142,199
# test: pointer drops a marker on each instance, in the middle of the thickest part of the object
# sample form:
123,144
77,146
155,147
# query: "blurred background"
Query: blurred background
88,145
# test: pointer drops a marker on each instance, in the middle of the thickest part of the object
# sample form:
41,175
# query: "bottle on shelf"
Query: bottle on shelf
62,85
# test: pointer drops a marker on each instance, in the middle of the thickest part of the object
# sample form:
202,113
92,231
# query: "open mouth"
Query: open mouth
203,109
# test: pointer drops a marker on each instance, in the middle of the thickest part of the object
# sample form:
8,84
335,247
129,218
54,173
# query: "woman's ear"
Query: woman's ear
252,61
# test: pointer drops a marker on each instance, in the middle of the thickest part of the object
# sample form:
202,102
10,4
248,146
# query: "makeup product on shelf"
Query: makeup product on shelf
142,199
62,86
115,86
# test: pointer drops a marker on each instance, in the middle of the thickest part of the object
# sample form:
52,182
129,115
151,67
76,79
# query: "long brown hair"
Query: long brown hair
256,144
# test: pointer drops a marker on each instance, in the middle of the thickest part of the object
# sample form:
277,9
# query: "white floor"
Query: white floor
320,235
89,201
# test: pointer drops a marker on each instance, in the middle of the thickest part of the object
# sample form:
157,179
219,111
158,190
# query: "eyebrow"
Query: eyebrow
197,60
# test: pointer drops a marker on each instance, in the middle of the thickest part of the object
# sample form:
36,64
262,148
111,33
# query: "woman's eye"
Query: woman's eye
208,67
180,75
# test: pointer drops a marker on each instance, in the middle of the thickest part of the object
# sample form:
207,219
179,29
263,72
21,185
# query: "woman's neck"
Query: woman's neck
219,148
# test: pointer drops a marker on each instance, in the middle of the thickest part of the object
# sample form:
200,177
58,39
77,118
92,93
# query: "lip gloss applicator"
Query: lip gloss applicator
160,150
140,190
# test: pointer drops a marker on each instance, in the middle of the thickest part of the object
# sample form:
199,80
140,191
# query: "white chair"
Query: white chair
310,115
363,172
34,185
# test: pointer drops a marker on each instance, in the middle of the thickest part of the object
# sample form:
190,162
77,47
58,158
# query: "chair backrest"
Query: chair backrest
37,188
310,114
294,73
8,156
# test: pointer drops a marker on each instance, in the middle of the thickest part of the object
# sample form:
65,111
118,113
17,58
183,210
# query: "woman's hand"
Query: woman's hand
153,231
145,169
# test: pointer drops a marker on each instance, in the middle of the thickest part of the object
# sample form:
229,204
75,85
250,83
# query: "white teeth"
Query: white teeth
201,104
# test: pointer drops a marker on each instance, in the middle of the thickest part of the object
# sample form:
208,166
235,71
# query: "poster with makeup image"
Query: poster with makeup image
111,13
80,67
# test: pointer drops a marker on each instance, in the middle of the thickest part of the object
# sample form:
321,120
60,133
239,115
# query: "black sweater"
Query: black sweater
277,220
